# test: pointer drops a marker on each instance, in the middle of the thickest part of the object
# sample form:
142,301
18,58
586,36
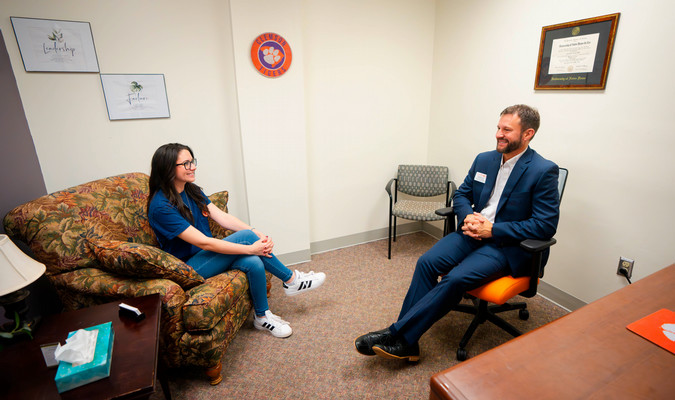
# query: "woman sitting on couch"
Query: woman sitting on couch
178,212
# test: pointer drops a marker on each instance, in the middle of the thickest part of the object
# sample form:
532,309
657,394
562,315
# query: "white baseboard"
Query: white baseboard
557,296
364,237
295,257
346,241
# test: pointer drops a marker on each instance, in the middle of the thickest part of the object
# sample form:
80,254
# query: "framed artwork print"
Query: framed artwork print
576,55
49,45
135,96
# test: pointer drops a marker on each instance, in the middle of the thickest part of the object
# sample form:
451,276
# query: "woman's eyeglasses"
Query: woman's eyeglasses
188,164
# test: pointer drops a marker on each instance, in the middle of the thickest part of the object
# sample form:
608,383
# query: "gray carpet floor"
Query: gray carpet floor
363,292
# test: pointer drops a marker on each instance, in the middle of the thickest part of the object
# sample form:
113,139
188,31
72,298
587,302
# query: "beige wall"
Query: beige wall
189,42
272,115
305,155
368,88
374,84
320,143
617,143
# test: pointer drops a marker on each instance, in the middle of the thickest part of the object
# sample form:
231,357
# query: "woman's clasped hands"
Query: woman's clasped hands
262,247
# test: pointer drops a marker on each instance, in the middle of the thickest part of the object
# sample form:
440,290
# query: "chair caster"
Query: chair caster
524,315
462,354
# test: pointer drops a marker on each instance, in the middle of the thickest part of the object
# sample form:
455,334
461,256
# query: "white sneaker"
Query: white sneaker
304,282
273,324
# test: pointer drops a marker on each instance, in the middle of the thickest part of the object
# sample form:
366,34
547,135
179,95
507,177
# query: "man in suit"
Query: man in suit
509,195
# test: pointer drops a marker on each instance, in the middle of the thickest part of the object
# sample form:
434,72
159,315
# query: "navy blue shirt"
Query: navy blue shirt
167,223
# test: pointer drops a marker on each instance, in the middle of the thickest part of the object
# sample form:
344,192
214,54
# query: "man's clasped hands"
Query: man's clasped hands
477,226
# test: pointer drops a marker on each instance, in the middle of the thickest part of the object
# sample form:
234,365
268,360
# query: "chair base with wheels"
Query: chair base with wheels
501,290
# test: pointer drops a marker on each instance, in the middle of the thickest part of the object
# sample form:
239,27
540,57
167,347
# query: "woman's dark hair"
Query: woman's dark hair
162,175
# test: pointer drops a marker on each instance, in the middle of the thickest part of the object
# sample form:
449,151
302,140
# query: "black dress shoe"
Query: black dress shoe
364,343
398,350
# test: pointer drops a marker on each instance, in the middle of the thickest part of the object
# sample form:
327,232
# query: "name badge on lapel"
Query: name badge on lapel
480,177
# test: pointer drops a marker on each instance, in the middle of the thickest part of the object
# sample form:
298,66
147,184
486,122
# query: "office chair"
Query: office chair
419,181
501,290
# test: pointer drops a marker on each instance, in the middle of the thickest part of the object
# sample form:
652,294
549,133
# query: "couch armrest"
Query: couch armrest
95,283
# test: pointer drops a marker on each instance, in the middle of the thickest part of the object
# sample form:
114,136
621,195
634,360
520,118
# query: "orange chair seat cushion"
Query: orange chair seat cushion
501,290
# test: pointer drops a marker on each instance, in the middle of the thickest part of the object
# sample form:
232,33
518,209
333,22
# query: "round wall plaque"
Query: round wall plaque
271,55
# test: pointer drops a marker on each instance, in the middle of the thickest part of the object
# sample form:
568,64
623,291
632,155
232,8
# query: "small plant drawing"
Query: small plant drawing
56,35
135,87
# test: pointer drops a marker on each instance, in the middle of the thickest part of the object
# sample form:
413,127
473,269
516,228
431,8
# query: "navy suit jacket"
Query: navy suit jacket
529,207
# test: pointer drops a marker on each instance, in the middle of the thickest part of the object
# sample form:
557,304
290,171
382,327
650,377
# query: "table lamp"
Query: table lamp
17,270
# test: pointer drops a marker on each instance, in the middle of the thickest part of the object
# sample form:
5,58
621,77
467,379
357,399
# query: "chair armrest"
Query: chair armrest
388,187
535,246
445,212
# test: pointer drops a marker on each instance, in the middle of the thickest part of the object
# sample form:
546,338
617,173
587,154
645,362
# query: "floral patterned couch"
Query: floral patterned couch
98,247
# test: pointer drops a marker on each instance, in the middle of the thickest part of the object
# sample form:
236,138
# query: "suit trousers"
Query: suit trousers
463,264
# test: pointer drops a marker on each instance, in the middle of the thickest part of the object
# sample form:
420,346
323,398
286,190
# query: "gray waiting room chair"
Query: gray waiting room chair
421,182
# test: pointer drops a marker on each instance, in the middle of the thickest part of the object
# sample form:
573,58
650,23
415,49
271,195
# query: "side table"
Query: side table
133,372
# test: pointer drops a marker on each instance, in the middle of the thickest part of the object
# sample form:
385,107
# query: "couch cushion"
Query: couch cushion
142,261
55,226
219,199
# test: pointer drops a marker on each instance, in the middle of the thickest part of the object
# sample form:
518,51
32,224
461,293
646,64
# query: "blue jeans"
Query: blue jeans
208,264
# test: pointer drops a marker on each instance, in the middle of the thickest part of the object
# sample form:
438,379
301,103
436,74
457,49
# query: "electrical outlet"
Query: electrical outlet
627,265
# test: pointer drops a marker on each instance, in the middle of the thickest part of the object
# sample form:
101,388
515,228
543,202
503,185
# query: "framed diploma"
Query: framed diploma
576,55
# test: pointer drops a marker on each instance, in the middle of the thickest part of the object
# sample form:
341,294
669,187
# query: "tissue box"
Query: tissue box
69,376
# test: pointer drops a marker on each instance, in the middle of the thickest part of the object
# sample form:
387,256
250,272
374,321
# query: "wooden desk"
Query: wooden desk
587,354
133,372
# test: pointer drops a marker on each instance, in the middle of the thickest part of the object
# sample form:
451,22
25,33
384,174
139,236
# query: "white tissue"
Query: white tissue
79,348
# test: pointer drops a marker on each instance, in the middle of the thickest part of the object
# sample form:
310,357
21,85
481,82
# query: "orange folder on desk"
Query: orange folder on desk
658,328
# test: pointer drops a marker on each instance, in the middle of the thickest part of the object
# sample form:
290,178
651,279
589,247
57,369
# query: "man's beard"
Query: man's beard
511,146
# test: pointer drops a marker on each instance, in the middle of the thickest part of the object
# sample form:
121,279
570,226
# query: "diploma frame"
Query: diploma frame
602,29
50,45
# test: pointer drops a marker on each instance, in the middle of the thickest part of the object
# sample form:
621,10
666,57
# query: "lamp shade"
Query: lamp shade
17,270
